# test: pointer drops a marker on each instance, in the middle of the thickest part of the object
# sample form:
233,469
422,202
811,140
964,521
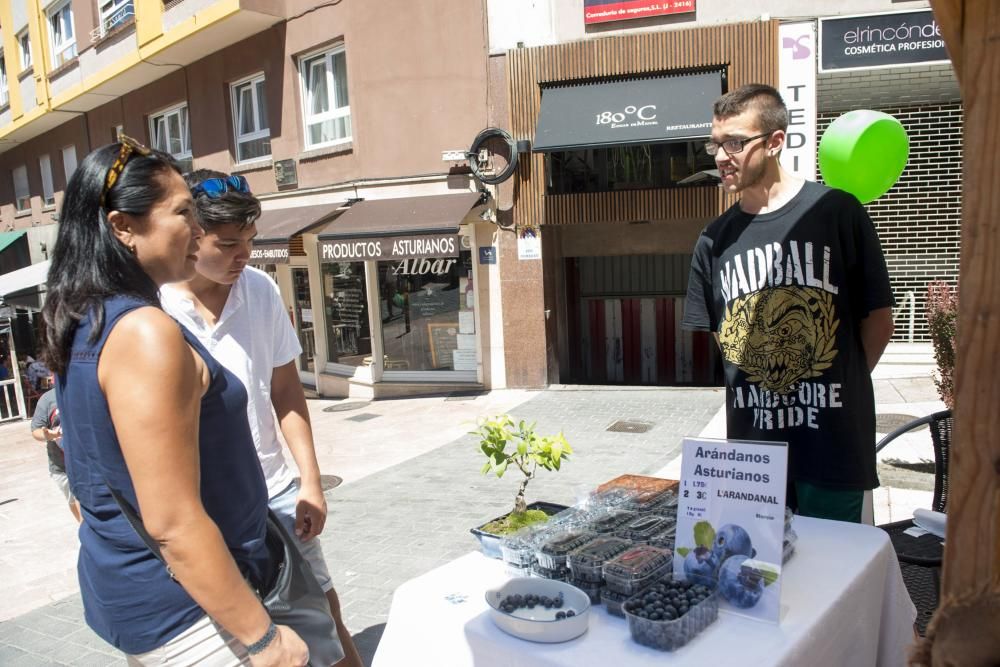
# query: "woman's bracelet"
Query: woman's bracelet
265,641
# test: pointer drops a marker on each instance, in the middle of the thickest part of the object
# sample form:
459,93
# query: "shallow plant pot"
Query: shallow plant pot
490,543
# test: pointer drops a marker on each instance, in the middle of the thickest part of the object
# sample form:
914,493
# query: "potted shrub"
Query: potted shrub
942,317
508,445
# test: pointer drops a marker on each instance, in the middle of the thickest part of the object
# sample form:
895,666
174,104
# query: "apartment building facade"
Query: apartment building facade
337,114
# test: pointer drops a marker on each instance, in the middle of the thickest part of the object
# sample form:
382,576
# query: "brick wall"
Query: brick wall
919,219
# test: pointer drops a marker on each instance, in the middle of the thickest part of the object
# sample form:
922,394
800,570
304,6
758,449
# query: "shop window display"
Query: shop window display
427,310
348,335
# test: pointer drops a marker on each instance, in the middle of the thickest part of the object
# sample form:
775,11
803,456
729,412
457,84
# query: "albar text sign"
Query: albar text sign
388,248
603,11
880,40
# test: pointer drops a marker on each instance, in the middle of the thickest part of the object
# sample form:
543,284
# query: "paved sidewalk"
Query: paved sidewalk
411,490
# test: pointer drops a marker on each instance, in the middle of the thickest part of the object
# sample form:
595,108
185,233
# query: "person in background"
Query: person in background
793,282
37,373
45,427
147,412
236,312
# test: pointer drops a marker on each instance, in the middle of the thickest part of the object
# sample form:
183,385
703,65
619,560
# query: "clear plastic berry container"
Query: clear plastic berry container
558,574
636,568
591,588
519,549
664,540
553,552
788,546
643,527
613,601
651,501
586,562
668,631
609,521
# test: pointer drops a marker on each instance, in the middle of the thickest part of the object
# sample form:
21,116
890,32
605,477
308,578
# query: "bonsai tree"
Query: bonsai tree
506,444
942,317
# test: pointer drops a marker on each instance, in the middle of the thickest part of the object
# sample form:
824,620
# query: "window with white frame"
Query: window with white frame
69,160
4,94
170,133
324,94
251,129
61,36
24,46
114,13
22,196
48,192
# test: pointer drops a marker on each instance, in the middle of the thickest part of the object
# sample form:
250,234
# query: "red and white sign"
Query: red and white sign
603,11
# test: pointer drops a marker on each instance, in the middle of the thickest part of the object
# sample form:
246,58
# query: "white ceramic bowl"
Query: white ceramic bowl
540,624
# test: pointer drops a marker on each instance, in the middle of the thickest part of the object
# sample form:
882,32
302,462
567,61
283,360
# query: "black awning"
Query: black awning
637,111
276,227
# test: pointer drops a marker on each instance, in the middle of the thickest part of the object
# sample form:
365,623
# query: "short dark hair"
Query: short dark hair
239,208
765,100
89,263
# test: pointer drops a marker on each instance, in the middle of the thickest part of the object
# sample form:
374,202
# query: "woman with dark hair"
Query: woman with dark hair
149,416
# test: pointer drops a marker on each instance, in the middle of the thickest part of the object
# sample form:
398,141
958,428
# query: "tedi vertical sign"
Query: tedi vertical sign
880,40
797,85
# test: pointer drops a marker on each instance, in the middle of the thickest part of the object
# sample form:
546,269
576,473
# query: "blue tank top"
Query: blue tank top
129,599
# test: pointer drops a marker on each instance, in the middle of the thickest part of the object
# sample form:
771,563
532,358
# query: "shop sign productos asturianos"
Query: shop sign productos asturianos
388,248
269,253
603,11
880,40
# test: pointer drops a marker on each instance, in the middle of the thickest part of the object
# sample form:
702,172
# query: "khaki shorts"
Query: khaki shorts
62,481
204,644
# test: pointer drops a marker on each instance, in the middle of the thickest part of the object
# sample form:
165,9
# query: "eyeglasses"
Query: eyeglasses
216,187
128,146
732,146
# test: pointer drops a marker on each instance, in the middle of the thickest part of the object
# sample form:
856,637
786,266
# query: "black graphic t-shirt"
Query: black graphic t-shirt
786,292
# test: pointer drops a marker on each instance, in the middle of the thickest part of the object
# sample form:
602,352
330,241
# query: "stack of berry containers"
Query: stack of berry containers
586,563
664,539
552,554
611,520
636,568
669,614
643,528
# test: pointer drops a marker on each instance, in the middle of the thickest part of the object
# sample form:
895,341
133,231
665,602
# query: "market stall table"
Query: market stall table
843,603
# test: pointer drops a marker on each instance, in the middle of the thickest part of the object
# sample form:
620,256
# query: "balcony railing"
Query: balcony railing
119,17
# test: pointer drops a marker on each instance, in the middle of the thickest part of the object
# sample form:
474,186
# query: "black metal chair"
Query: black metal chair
920,557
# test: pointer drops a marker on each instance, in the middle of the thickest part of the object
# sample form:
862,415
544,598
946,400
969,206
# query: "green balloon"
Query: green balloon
863,152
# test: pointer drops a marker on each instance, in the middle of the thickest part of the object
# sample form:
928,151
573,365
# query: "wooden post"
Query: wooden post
971,577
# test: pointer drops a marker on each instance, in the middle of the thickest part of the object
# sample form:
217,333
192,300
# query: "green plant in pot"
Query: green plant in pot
507,445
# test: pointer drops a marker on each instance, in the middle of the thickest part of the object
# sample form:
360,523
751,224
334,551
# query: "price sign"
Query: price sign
731,522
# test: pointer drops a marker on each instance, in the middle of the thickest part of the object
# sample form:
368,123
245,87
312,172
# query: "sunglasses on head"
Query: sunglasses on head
216,187
128,147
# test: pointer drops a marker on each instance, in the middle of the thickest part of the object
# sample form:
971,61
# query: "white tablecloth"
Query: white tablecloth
843,603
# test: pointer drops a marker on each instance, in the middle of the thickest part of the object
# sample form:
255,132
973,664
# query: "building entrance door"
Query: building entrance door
634,338
304,319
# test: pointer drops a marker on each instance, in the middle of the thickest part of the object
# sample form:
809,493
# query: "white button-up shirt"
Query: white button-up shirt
251,338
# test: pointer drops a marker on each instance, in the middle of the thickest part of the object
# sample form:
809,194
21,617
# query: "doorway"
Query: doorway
304,319
623,324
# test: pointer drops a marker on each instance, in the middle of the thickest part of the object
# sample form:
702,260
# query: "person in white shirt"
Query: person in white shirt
236,311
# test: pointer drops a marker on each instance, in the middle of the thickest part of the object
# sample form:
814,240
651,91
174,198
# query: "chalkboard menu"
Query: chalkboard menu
444,340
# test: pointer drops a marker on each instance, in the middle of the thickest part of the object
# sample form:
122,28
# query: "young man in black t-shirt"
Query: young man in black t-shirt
793,282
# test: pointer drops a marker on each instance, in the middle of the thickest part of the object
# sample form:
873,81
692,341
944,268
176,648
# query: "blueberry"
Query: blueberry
731,540
560,615
741,585
558,602
570,612
701,565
